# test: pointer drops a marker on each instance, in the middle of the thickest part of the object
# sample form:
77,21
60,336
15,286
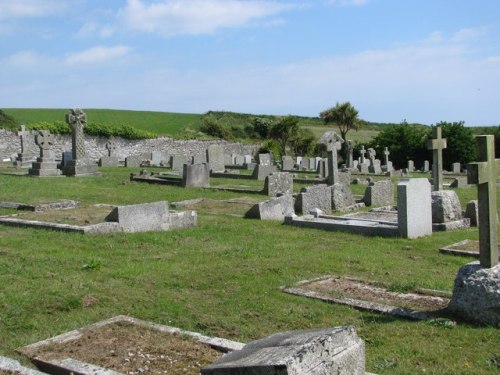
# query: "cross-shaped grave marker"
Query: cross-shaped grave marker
77,120
362,152
332,147
111,147
45,141
437,144
386,156
484,174
23,134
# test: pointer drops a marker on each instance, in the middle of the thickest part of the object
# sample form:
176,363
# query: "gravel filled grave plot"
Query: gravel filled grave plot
126,347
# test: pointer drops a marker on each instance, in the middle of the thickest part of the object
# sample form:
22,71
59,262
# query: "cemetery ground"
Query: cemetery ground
223,278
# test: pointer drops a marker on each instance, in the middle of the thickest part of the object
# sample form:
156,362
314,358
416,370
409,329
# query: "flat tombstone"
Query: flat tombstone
215,158
319,351
484,174
196,175
414,208
437,144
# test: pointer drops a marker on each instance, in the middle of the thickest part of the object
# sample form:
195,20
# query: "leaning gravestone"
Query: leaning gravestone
476,294
342,198
80,165
333,351
45,165
437,144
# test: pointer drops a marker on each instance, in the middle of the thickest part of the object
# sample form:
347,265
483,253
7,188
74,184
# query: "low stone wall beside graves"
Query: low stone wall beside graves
10,145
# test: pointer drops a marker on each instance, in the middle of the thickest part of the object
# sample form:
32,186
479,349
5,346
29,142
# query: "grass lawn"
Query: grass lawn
223,277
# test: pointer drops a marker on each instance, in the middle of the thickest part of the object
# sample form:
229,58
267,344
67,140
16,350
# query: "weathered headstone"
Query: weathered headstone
426,166
334,144
261,171
320,351
80,165
414,208
322,168
215,158
199,159
133,161
437,144
23,158
239,160
286,163
484,174
342,197
304,164
362,153
411,166
379,193
247,159
177,162
264,159
456,168
45,164
273,209
447,211
314,196
110,160
350,149
278,183
196,175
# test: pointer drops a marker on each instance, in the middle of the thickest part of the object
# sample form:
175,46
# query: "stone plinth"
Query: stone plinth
81,167
44,167
108,161
273,209
322,351
476,294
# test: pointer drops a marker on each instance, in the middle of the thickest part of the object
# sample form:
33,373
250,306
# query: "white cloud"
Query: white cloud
23,59
97,54
468,34
91,28
30,8
174,17
348,2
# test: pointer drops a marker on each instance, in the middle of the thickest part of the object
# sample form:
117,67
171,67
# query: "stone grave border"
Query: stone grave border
11,365
70,365
451,249
362,304
63,204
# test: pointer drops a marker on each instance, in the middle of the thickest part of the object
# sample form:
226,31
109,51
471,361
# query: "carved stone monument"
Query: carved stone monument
80,165
362,166
350,149
23,158
111,160
45,165
332,148
437,144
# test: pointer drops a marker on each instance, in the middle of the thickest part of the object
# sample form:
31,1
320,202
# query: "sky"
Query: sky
421,61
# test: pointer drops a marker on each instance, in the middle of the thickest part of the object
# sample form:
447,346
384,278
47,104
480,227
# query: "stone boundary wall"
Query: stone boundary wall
10,145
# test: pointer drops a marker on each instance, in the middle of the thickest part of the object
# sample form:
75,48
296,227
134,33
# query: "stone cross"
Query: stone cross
77,119
111,147
371,154
362,152
45,141
437,144
484,174
350,149
332,148
386,156
22,133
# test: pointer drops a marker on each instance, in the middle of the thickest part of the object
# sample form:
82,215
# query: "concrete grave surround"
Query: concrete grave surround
315,196
278,183
334,351
379,193
196,175
141,217
215,158
476,294
414,208
273,209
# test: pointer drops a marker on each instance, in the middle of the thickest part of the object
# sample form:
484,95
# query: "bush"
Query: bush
460,143
211,126
7,122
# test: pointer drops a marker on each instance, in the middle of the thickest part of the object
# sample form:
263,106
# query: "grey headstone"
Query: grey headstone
260,172
141,217
247,159
133,161
177,162
239,160
379,193
304,164
45,164
264,159
315,196
456,168
426,166
278,183
199,159
335,351
342,197
215,158
108,161
445,206
411,166
286,163
196,175
414,208
273,209
472,213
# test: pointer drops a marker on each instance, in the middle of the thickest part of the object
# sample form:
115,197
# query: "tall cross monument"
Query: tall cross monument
437,144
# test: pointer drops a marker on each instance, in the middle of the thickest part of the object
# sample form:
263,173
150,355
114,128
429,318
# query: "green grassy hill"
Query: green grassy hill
161,123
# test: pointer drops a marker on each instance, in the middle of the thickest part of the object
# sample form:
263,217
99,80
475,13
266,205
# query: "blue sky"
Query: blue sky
420,60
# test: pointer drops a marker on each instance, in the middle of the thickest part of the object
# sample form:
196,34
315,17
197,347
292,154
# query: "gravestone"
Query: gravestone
66,157
322,169
350,149
45,165
314,196
215,158
335,351
414,208
437,144
447,211
133,161
342,197
304,164
456,168
80,165
260,171
362,166
158,157
333,145
239,160
379,193
298,159
111,160
264,159
312,164
286,163
278,183
411,166
472,212
199,159
273,209
177,162
387,163
426,166
23,159
247,159
196,175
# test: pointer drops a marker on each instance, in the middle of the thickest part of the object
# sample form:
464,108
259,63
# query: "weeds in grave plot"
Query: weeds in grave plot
222,278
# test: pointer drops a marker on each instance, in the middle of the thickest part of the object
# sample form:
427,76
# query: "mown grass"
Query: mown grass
160,123
222,278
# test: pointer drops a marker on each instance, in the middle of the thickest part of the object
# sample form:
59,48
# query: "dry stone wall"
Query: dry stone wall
10,145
